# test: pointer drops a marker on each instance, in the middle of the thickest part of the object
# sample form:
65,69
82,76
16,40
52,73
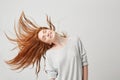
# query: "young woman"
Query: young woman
65,56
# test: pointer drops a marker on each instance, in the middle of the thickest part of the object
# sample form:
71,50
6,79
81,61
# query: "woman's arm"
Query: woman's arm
52,79
85,72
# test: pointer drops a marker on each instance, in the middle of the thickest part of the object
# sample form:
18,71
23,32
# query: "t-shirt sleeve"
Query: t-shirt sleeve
49,69
82,52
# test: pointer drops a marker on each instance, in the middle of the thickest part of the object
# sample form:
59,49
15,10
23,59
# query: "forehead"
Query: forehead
40,34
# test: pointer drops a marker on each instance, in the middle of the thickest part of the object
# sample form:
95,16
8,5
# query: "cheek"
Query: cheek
47,40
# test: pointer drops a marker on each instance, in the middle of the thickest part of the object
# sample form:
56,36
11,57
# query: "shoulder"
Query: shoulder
75,38
49,52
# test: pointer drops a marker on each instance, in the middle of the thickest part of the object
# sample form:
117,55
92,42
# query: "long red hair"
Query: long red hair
31,49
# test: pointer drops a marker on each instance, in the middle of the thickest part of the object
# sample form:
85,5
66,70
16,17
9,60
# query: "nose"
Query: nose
47,34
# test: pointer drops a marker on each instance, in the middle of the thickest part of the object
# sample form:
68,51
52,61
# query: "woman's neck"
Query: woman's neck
59,40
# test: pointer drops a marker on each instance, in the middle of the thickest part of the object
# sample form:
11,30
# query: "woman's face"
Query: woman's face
46,35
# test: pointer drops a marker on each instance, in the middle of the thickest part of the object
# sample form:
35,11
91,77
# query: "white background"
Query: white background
96,21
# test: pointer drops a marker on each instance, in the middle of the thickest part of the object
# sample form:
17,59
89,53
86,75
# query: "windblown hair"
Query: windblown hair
31,49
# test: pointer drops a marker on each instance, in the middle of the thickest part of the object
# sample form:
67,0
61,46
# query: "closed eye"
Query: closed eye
44,31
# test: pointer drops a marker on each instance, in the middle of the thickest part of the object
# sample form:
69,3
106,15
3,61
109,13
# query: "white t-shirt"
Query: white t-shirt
66,63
